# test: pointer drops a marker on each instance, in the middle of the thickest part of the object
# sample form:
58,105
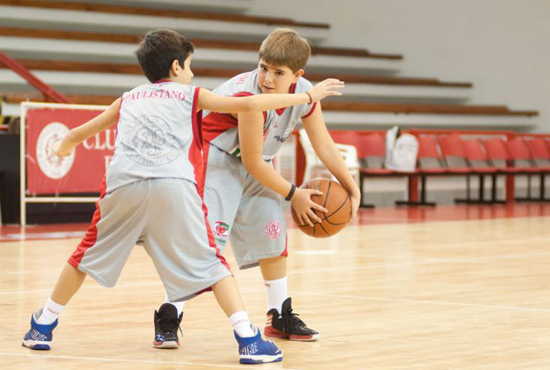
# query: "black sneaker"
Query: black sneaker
288,325
167,324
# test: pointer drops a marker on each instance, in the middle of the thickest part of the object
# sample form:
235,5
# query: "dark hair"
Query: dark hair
158,50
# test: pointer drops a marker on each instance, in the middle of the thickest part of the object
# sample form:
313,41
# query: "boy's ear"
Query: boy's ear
175,68
299,73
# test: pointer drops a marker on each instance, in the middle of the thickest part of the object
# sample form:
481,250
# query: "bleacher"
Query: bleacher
84,49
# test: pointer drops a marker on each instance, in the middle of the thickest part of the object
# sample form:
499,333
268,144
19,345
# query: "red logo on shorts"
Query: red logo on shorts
273,229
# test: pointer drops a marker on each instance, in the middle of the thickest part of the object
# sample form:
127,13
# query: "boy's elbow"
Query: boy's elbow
249,164
248,105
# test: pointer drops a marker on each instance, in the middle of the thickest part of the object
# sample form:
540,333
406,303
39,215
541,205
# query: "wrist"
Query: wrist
310,98
291,193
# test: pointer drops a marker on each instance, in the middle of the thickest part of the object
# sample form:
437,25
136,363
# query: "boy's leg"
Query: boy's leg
224,181
281,321
45,320
259,238
117,223
181,245
253,349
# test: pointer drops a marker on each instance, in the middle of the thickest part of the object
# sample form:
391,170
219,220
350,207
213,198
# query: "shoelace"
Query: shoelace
292,318
168,326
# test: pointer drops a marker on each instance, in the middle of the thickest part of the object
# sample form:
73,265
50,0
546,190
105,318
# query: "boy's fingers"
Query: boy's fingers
319,208
308,221
314,217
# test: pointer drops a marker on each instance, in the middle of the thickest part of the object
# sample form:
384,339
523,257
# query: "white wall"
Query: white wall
502,46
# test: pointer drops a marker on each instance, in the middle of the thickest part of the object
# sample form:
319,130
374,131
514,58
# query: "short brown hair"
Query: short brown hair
285,47
158,50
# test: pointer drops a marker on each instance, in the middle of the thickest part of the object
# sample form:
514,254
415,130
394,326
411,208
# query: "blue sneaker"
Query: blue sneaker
256,350
39,336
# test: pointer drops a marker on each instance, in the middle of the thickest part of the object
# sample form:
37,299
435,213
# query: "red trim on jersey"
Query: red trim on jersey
311,111
216,124
196,158
291,90
90,238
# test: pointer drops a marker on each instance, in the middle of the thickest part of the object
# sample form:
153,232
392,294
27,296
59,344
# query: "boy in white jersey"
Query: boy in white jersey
243,191
151,193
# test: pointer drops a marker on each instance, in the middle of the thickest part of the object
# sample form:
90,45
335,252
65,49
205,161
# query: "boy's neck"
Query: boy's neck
163,80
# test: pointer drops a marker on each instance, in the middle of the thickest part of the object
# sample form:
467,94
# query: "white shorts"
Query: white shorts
168,216
242,210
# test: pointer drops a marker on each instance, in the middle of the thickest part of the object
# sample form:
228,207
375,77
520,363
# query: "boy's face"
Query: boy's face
180,74
276,79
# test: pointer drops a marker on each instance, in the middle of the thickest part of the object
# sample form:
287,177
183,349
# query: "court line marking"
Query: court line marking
158,362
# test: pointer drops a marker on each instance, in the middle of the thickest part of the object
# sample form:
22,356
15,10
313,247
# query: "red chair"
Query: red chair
480,163
541,158
539,152
497,152
372,151
522,158
457,154
430,163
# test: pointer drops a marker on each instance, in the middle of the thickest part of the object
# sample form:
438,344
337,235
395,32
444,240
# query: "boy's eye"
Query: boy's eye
264,69
280,73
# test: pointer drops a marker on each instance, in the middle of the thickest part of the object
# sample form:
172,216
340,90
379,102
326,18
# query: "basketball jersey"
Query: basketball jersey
220,129
159,135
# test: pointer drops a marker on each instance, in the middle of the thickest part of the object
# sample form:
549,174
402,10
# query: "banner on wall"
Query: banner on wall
83,170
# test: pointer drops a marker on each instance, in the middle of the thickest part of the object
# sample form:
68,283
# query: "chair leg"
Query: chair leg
541,197
423,202
361,182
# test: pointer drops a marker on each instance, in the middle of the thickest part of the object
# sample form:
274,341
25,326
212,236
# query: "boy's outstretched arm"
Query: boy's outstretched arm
78,134
328,153
262,102
251,144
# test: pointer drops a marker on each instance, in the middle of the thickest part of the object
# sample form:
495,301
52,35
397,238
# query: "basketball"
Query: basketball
336,200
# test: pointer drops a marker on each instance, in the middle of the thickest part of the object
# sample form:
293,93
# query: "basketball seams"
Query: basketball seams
326,227
343,204
322,227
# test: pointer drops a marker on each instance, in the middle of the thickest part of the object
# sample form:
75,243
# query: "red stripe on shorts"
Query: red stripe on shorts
285,252
91,234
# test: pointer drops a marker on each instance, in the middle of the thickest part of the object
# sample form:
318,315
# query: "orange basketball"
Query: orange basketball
336,200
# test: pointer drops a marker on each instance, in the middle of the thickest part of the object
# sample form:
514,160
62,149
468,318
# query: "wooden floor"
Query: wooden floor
425,295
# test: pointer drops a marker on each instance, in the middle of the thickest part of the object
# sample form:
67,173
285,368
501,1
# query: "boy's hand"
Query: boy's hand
59,151
302,204
328,87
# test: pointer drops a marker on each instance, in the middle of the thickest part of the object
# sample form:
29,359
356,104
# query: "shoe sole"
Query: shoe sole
260,359
166,345
274,333
37,346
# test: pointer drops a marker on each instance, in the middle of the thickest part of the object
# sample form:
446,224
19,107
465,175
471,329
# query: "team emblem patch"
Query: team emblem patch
51,165
221,229
149,140
273,229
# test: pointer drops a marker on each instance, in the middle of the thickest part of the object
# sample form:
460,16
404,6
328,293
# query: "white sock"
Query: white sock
241,324
277,292
178,305
50,313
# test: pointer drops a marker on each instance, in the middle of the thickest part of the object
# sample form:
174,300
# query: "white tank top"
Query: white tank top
159,135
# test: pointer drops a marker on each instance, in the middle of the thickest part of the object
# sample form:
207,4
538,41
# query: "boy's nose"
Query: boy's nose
268,78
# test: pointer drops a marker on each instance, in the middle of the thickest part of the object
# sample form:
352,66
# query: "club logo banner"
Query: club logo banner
82,171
